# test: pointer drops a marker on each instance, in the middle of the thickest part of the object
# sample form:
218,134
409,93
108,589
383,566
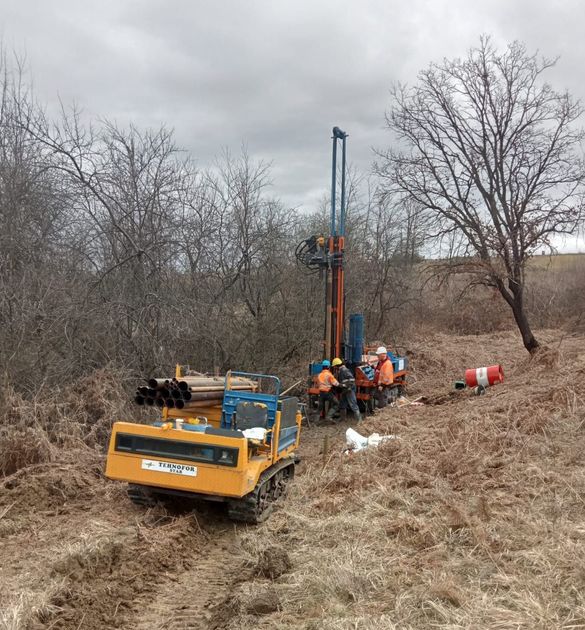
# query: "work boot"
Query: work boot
358,416
331,414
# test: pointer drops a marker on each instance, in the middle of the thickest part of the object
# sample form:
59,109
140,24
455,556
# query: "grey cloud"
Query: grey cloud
273,75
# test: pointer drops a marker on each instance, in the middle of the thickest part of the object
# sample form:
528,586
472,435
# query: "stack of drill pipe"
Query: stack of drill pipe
189,392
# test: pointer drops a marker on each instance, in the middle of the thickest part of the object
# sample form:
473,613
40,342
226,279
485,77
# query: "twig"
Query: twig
6,510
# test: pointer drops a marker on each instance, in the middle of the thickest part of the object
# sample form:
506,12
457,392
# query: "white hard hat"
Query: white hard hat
381,350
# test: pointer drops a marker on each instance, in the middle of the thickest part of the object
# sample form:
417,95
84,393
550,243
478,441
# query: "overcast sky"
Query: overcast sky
274,75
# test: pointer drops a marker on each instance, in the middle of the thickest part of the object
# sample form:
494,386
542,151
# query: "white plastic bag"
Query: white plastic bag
255,433
356,442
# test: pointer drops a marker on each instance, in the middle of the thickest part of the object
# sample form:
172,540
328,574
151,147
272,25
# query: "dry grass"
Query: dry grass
32,608
44,427
558,262
82,411
474,519
88,555
23,447
554,298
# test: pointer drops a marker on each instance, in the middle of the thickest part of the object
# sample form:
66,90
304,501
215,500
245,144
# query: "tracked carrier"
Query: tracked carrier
240,451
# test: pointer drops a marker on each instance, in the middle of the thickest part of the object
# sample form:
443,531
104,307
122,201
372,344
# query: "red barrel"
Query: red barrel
485,376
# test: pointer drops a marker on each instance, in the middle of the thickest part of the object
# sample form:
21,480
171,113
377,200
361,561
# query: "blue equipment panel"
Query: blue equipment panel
231,399
288,422
368,371
315,368
355,347
398,363
288,437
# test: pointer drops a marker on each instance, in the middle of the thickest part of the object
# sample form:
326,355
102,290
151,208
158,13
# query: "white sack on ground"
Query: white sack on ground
357,442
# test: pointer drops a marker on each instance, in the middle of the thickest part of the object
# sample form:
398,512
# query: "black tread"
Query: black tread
247,509
139,495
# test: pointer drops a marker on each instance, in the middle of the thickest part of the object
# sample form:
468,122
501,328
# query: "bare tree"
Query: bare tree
490,152
34,220
250,250
382,247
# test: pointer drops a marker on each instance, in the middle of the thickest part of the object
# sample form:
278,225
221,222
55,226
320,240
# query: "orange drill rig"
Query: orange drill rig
320,254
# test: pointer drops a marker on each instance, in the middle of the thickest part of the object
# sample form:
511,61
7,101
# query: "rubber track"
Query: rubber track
140,496
244,510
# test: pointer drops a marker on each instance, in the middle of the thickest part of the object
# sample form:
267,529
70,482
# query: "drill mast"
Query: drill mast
319,254
334,286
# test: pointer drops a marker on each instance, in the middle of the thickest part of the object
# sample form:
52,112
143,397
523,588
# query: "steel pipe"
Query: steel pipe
157,383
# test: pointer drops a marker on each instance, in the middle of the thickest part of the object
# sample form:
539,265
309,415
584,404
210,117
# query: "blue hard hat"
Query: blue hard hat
326,363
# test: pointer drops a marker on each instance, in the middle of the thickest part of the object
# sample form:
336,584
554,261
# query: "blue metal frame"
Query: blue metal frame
231,398
288,436
338,134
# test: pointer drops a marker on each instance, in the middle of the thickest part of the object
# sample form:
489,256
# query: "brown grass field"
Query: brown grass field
559,262
474,518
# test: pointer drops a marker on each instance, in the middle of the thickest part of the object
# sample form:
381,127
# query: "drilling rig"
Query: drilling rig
325,255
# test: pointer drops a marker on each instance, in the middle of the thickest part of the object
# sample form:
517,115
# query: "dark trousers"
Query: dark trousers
324,398
348,399
382,397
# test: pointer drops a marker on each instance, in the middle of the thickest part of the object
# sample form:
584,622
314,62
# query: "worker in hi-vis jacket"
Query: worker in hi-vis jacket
347,397
383,376
326,383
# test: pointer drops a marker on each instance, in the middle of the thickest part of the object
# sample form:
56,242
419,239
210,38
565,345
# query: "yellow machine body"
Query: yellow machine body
129,454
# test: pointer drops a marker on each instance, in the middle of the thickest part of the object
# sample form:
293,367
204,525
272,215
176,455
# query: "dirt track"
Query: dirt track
76,553
187,600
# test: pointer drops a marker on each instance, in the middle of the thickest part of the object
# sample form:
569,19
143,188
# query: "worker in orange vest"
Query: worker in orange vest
326,382
383,377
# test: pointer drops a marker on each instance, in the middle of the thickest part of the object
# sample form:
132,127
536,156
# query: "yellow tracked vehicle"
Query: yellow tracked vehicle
235,446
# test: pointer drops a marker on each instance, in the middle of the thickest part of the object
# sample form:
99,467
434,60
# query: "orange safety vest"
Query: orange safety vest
384,373
326,381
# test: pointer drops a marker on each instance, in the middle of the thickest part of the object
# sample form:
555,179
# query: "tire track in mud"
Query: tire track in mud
187,600
199,598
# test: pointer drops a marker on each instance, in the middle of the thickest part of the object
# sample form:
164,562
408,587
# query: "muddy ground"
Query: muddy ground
473,518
